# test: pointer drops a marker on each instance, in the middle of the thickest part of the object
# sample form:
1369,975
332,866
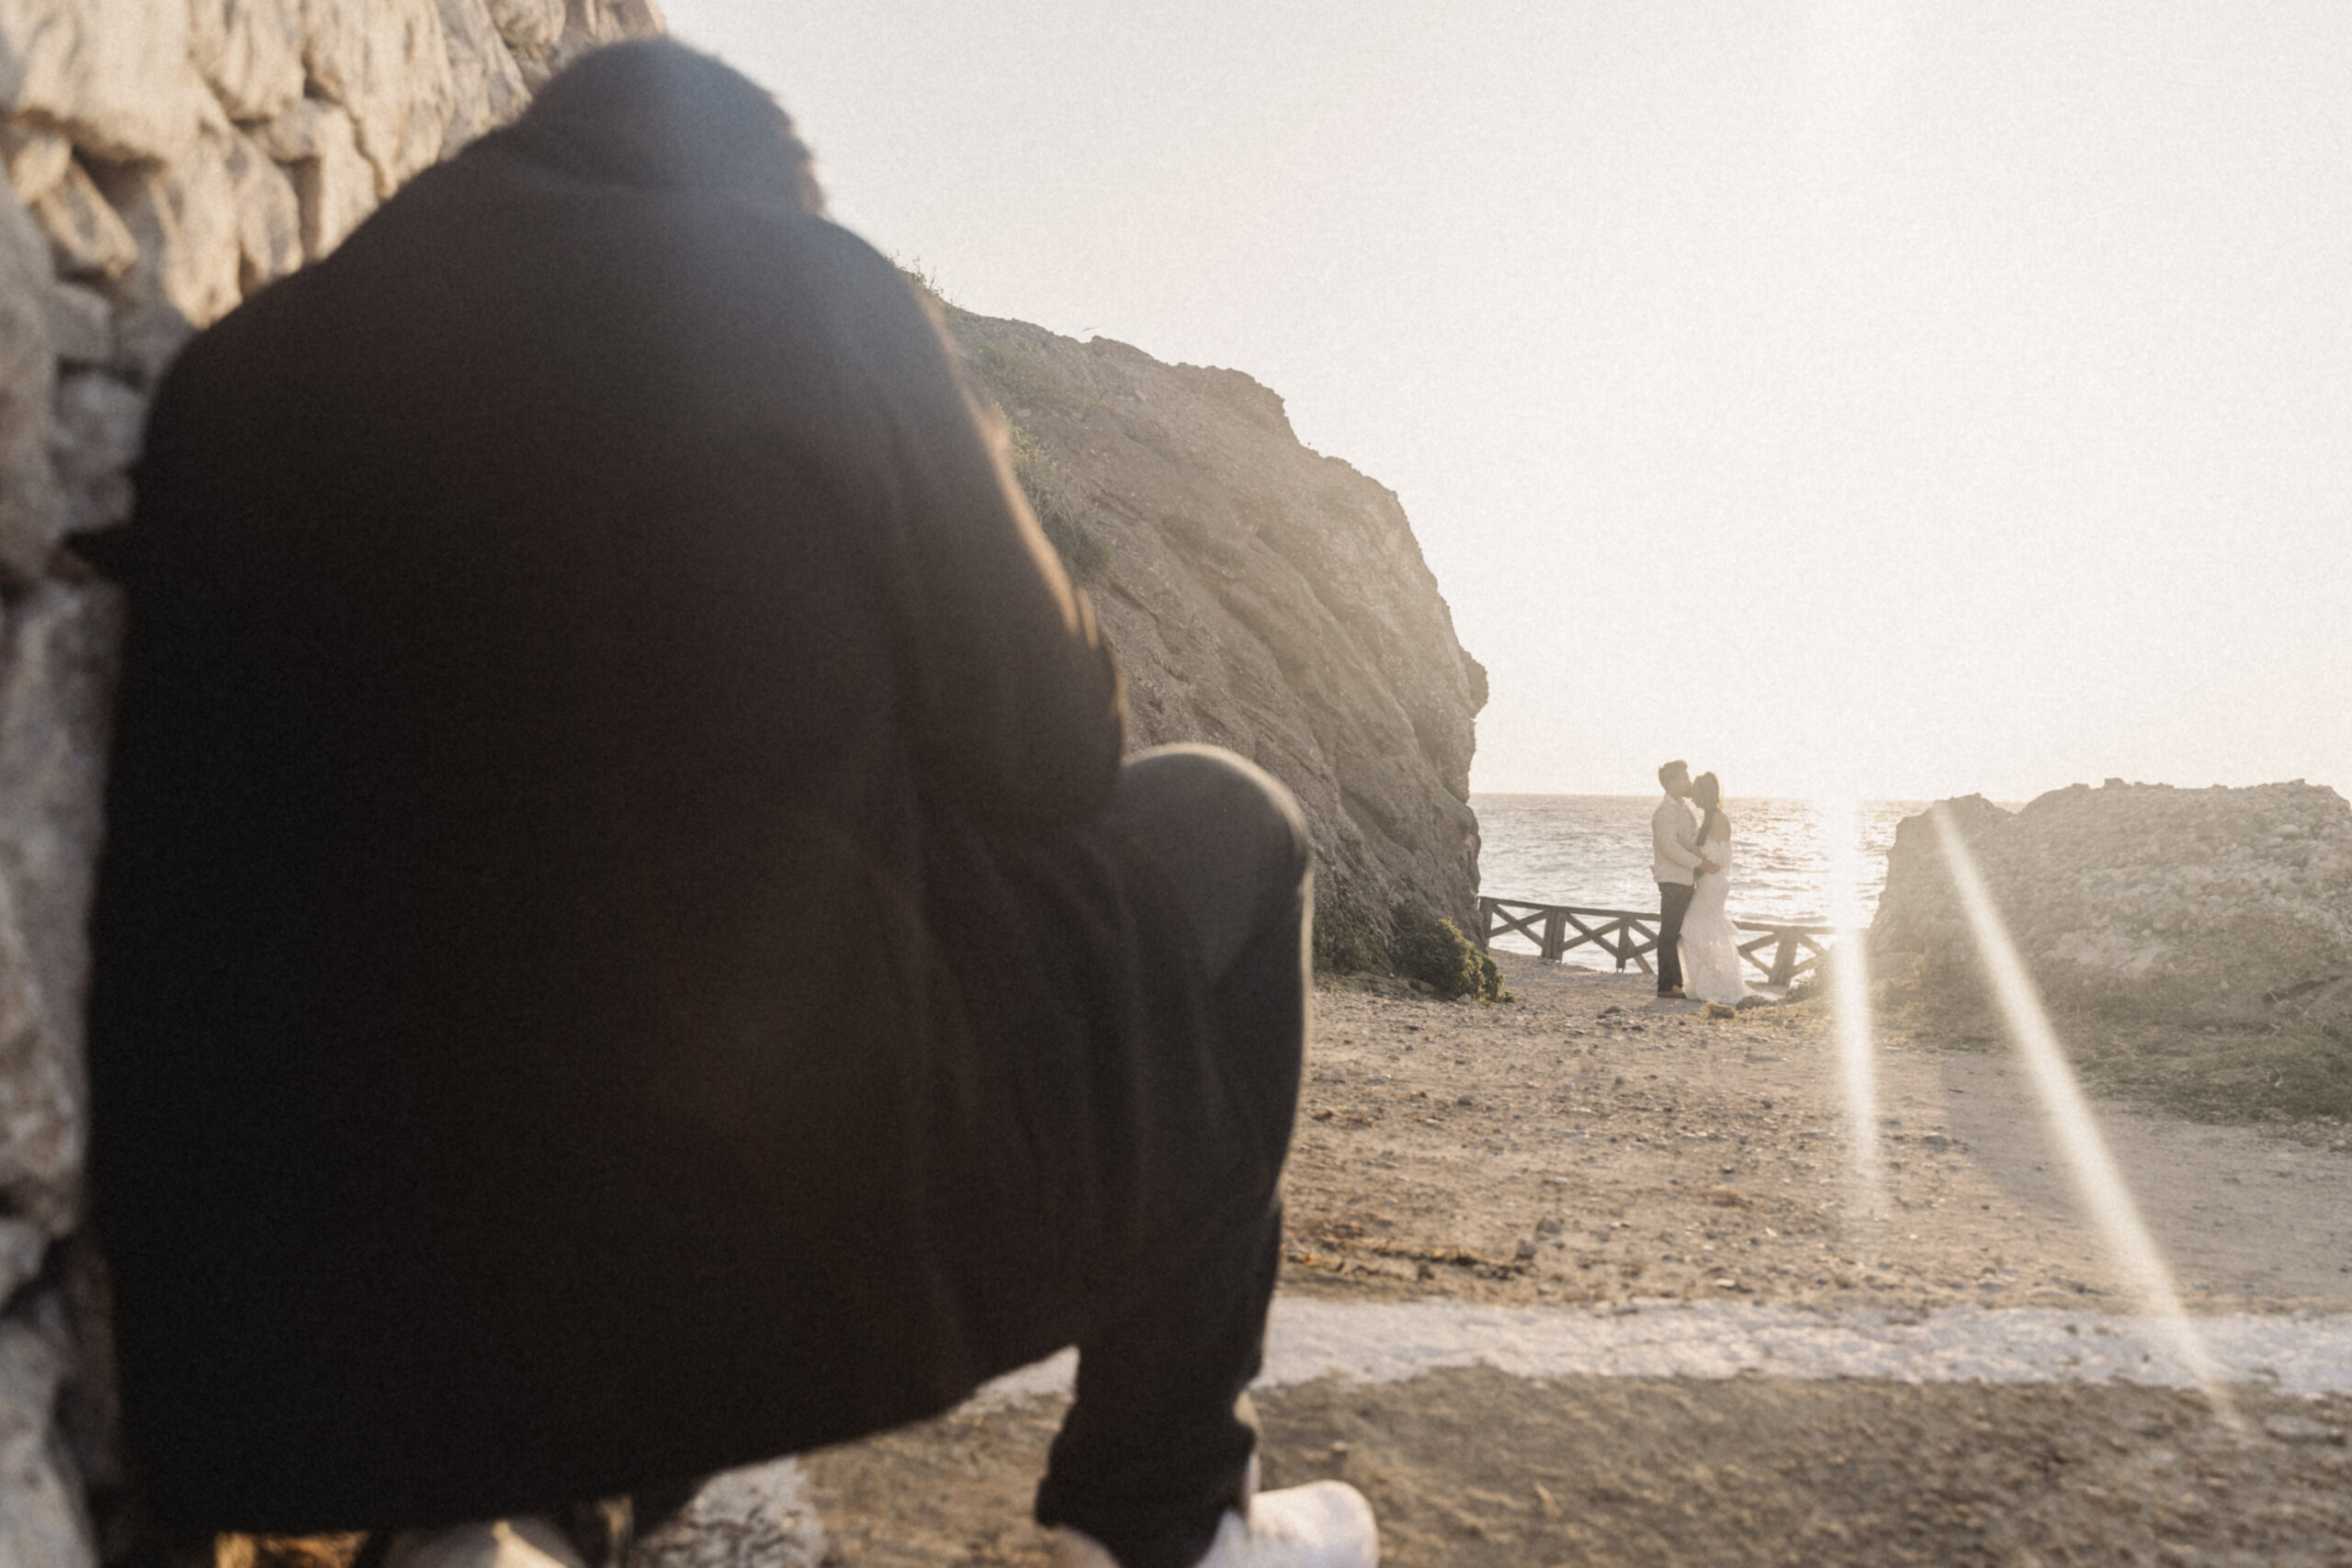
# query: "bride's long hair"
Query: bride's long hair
1709,793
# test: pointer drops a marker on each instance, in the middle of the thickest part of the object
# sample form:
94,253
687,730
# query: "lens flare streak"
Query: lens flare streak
2098,1187
1850,996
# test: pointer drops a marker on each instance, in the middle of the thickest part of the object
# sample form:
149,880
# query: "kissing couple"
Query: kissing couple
1697,947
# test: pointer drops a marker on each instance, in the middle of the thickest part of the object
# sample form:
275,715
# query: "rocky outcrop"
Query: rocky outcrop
164,159
2193,906
1261,597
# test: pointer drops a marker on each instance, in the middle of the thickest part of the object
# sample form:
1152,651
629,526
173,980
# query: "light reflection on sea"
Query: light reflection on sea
1593,851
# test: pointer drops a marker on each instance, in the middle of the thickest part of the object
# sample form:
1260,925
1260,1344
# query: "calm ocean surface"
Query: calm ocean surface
1594,851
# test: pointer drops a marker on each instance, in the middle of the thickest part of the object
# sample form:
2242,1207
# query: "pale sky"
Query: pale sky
1910,400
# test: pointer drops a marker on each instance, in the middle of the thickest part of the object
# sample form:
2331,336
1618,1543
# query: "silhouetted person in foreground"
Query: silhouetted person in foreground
625,946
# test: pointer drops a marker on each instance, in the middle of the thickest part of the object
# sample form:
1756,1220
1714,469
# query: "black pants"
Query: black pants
1169,1311
1170,1321
1673,903
1154,1448
1169,1307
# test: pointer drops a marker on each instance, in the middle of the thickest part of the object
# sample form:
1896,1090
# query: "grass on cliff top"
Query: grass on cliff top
2294,1079
925,280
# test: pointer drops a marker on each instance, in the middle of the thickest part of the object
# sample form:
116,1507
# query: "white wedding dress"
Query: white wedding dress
1711,961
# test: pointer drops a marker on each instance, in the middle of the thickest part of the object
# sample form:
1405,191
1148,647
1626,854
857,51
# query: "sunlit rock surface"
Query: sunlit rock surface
54,683
27,381
2142,901
43,1523
1261,597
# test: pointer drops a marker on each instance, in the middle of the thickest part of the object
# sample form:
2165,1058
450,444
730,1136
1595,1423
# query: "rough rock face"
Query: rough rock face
52,738
1261,597
164,158
2143,900
43,1523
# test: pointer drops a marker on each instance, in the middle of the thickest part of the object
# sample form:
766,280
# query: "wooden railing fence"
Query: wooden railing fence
1630,936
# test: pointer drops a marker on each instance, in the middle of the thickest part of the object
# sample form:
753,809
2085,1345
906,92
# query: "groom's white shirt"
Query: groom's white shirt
1674,842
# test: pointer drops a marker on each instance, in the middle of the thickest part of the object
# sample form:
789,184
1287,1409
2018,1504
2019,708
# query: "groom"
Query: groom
1675,861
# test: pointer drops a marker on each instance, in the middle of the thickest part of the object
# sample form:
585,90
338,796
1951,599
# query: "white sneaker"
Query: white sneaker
1324,1523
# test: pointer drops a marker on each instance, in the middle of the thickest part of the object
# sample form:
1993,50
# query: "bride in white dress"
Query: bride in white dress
1711,961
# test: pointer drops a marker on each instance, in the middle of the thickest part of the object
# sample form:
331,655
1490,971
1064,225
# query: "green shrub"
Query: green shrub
1346,945
1490,982
1433,950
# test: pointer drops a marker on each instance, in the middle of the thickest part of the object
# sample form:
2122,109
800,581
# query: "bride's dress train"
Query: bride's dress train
1711,961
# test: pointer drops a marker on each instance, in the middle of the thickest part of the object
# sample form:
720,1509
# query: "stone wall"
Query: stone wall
2227,906
164,158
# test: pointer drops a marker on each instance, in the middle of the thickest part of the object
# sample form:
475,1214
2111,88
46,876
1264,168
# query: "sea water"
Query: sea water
1593,852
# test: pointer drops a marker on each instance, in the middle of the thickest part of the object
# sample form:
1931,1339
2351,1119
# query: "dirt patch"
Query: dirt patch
2290,1075
2294,1081
1589,1142
1473,1467
956,1490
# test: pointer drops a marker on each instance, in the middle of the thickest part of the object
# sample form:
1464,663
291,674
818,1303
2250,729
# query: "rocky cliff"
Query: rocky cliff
2193,906
1261,596
164,158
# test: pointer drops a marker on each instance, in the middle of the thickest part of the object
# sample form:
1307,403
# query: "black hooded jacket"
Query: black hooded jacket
599,789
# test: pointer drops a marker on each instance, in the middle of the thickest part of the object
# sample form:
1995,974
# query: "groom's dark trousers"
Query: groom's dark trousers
1673,903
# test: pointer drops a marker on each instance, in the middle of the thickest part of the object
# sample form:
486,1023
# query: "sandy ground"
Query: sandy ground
1472,1466
1555,1149
1589,1150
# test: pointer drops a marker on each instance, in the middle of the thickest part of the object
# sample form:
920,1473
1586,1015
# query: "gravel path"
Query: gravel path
1375,1342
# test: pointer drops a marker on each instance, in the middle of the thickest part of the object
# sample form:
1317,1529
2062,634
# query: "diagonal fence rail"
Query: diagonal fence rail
1630,936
